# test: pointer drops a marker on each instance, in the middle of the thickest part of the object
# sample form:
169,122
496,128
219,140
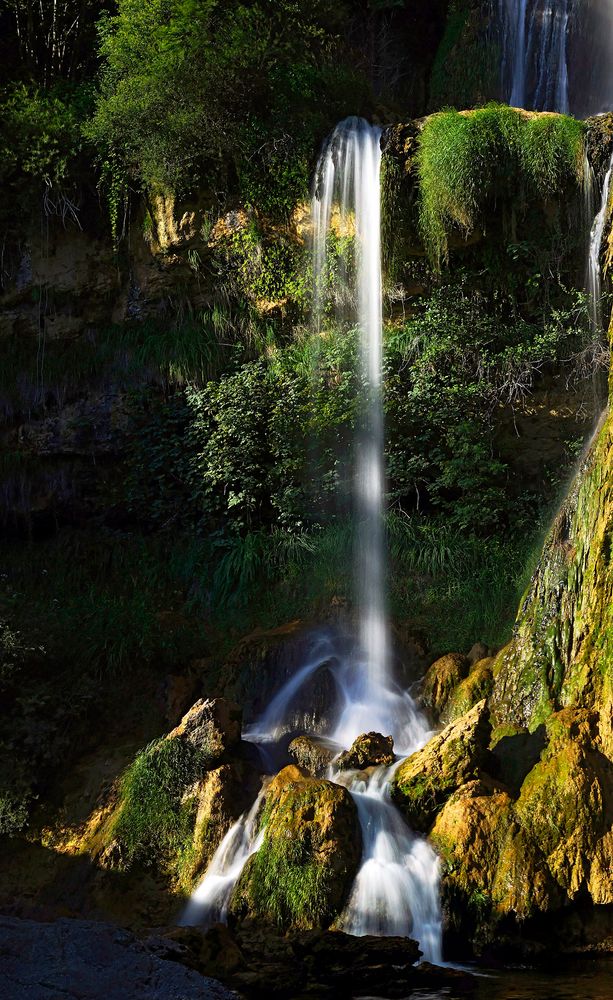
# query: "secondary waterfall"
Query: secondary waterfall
594,272
396,889
535,64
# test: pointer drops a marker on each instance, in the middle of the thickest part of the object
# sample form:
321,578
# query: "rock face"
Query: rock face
85,961
302,873
562,651
212,726
368,750
311,756
457,755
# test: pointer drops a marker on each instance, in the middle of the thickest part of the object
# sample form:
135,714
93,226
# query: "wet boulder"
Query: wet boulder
213,726
368,750
302,874
441,679
313,757
219,799
474,688
425,780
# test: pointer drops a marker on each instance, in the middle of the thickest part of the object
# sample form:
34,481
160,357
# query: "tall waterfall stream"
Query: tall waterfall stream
396,890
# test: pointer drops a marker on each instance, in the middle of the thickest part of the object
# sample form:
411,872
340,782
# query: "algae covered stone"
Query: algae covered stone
455,756
441,679
301,876
470,691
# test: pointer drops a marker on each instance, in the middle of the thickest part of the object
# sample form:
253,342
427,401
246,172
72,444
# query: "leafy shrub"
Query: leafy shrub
255,85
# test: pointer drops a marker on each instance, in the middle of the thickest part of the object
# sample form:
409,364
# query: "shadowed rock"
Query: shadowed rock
369,750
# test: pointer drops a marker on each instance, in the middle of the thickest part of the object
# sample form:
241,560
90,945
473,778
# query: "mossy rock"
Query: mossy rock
562,651
368,750
441,680
426,780
566,803
301,876
473,689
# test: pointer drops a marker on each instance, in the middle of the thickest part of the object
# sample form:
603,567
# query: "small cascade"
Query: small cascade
535,64
594,271
396,888
210,902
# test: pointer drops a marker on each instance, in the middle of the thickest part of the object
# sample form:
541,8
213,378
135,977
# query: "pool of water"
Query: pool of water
579,980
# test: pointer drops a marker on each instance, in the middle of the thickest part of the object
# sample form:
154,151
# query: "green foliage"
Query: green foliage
286,885
449,368
41,149
154,821
466,161
253,84
269,268
466,68
264,445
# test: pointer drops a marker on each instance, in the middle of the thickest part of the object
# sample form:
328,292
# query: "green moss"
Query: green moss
468,160
302,872
287,886
154,821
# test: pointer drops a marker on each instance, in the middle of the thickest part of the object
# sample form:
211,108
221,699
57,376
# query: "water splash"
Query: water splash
210,902
396,889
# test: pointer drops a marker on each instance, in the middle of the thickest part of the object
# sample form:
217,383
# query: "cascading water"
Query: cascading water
535,64
594,272
396,889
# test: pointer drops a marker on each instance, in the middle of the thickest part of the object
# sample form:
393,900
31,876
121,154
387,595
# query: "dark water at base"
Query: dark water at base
584,980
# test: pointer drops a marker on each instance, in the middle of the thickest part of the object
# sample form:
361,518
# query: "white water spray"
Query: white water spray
210,902
396,889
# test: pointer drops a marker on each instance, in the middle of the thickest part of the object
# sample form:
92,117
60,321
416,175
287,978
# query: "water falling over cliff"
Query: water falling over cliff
396,889
555,54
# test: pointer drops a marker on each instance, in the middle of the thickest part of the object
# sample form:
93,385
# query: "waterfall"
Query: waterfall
396,889
535,61
594,272
348,178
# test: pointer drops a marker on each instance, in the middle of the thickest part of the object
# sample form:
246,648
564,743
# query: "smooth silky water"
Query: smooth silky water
396,890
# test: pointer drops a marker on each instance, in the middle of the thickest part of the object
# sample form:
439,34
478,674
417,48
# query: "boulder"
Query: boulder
259,961
471,690
478,652
537,844
301,876
423,783
368,750
311,756
441,679
221,797
212,726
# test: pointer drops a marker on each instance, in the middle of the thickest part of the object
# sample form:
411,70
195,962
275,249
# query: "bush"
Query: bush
190,90
466,161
